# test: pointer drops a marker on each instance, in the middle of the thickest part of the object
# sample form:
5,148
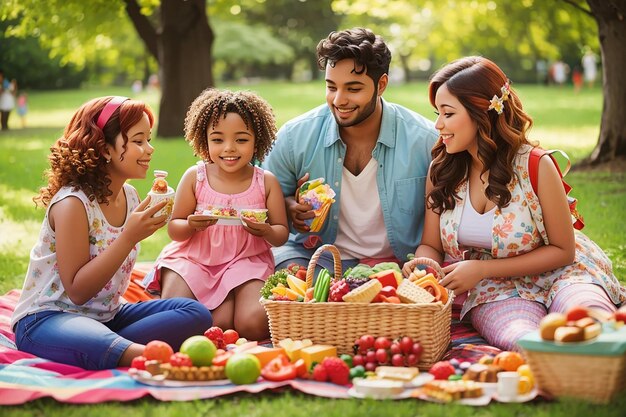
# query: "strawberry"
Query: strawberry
577,313
442,370
180,359
319,373
139,362
338,290
216,335
336,370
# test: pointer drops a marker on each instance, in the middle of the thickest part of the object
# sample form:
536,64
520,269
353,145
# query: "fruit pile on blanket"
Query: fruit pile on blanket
381,366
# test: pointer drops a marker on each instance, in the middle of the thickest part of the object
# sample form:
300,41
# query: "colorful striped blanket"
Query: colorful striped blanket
24,377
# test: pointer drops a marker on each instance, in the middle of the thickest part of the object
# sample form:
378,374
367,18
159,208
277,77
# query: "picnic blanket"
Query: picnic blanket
24,377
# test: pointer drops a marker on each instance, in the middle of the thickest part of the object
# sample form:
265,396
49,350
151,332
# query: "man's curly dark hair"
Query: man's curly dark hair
369,51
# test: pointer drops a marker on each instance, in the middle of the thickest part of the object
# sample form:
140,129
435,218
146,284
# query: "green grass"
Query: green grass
563,119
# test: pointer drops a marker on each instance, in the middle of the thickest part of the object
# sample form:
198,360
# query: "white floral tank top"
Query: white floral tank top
517,229
43,289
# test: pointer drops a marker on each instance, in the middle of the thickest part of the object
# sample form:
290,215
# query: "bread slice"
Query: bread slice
409,292
397,373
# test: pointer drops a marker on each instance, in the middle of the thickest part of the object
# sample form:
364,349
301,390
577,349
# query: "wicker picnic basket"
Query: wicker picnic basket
340,323
593,377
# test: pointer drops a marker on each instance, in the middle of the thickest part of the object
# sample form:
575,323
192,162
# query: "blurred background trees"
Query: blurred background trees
195,44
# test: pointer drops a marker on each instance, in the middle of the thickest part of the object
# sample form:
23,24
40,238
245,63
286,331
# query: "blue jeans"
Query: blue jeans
77,340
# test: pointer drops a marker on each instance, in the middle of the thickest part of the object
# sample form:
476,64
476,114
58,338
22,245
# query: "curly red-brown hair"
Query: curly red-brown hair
213,104
77,159
474,81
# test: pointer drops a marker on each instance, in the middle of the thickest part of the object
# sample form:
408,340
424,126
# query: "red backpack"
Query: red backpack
533,169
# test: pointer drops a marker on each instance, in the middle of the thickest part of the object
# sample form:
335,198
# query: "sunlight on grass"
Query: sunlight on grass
579,141
28,145
20,199
17,237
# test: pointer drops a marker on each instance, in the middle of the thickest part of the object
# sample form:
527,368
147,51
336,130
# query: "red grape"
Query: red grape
406,344
397,360
417,349
358,360
382,343
366,342
381,356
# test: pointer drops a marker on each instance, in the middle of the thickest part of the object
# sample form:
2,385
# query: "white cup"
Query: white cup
508,383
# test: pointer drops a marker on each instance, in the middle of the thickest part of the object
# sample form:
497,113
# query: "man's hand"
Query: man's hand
297,212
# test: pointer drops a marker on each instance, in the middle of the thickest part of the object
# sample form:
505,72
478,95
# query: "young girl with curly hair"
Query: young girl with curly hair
223,263
71,308
482,213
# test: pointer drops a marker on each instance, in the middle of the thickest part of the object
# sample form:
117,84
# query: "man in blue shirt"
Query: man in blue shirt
374,154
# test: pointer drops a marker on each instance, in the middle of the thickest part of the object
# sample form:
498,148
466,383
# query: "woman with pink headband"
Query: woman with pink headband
71,308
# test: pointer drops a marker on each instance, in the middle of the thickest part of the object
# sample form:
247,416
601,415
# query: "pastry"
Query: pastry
569,334
193,373
452,390
482,373
549,324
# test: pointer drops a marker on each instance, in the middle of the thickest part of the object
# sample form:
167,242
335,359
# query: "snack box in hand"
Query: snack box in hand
320,196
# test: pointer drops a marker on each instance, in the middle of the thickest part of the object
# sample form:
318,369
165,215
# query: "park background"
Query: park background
63,53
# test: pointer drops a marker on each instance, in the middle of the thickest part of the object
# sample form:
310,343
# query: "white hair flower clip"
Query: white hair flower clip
497,103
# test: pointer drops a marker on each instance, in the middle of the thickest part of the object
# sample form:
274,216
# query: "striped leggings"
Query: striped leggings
503,323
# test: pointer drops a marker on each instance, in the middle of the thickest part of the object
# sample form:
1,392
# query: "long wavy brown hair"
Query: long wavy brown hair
77,159
213,104
474,81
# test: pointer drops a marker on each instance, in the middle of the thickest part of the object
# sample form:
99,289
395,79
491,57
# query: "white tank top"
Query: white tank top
475,229
361,233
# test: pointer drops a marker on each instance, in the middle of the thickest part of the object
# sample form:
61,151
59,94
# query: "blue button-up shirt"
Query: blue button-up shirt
311,143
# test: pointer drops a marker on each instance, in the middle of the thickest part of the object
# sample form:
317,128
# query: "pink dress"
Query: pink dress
225,255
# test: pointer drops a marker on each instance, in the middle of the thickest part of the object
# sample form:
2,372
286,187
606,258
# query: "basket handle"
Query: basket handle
310,271
429,262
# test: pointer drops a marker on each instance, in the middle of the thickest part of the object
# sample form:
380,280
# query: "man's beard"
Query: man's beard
365,113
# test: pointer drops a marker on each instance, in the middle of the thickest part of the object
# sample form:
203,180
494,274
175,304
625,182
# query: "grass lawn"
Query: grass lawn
563,119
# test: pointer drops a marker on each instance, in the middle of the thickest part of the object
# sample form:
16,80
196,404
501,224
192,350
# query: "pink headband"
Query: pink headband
108,110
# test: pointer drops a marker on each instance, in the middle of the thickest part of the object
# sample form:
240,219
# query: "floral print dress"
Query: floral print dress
517,229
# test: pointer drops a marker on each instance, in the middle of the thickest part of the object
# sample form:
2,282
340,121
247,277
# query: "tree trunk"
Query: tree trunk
610,16
185,61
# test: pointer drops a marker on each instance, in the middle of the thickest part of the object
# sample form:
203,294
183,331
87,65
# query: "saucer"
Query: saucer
401,396
522,398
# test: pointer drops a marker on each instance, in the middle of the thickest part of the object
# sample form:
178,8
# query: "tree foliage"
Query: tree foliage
516,34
